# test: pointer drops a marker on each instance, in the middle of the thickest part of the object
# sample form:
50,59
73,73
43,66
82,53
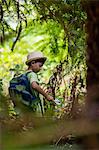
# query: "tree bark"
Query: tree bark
92,100
92,28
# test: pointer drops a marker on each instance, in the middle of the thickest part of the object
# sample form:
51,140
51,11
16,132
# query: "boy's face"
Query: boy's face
37,66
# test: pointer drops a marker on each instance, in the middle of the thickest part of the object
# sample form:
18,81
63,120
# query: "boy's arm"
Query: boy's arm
36,87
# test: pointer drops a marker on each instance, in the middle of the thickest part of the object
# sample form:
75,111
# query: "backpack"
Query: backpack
20,86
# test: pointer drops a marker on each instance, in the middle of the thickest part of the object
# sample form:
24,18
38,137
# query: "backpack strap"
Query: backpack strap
28,72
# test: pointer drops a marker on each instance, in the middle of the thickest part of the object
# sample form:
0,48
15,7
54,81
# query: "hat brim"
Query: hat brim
42,59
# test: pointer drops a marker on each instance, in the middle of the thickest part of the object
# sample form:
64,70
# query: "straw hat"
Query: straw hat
36,55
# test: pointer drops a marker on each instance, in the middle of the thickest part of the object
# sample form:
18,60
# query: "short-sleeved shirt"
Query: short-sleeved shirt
32,76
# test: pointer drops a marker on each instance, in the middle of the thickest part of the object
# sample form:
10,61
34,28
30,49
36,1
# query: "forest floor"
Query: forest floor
41,133
10,128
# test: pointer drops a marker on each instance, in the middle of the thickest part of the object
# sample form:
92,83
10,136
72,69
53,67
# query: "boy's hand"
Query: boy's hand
50,98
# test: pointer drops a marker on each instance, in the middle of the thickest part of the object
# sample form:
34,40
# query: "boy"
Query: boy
35,61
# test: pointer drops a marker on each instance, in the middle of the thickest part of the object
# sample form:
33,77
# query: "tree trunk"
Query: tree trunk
92,100
92,29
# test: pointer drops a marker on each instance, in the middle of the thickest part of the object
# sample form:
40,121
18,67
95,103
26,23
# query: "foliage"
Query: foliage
57,28
51,27
67,13
13,18
70,88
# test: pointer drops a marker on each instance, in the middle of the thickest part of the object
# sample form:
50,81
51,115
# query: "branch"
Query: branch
19,32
